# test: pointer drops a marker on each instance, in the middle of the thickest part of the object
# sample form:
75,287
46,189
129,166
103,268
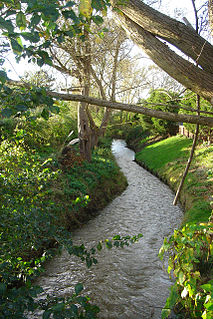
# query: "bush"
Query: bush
190,259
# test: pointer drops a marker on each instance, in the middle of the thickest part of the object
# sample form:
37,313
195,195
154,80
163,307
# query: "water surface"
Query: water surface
128,283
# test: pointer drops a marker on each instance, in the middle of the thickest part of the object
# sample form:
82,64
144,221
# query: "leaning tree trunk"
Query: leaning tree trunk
150,29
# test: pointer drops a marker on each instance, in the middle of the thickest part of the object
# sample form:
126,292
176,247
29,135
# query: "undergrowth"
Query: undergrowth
41,201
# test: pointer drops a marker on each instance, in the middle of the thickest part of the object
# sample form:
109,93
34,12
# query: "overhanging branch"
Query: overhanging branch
183,118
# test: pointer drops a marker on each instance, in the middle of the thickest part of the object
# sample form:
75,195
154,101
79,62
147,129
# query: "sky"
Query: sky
174,8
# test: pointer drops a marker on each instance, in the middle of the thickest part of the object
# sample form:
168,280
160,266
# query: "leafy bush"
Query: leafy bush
190,260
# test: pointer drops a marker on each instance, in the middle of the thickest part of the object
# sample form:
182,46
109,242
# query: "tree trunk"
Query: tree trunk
210,9
183,118
149,28
177,67
84,130
174,32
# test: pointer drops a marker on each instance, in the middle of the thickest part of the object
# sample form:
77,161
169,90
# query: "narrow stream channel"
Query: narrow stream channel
127,283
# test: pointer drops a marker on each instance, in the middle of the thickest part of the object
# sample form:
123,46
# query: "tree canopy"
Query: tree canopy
30,26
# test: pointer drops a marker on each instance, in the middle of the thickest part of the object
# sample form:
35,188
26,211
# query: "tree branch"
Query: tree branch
186,73
170,30
203,120
182,118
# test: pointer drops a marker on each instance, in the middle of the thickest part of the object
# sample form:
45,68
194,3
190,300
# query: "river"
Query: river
128,283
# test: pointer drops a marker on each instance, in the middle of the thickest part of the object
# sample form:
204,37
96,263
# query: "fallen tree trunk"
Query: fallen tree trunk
180,118
183,118
183,71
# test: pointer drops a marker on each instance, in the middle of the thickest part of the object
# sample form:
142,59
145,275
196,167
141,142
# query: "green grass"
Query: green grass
159,154
168,159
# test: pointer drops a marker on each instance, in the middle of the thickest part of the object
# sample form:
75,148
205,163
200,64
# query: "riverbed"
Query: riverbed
128,283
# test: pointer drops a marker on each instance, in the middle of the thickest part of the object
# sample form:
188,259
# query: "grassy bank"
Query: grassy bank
168,158
43,197
190,247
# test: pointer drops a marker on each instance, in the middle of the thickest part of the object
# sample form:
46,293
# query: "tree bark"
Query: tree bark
185,72
210,11
84,130
174,32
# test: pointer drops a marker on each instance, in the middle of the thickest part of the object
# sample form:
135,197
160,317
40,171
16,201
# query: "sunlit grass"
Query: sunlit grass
168,159
157,155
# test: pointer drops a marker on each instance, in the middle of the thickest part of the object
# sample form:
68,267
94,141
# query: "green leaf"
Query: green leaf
99,246
35,19
3,76
88,262
116,237
108,243
18,39
181,277
31,36
45,114
209,306
47,314
78,288
98,20
17,48
21,20
207,287
6,24
6,112
10,12
165,313
70,14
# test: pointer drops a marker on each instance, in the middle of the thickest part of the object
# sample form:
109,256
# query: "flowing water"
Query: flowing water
128,283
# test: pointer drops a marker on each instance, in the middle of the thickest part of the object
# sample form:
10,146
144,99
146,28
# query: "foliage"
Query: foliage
135,132
190,260
32,228
20,20
161,100
29,28
21,101
39,78
190,100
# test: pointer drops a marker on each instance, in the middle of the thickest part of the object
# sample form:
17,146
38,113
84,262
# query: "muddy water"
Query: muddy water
127,283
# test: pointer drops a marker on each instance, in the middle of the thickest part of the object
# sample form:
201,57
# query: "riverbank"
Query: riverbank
190,248
167,159
129,282
43,198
